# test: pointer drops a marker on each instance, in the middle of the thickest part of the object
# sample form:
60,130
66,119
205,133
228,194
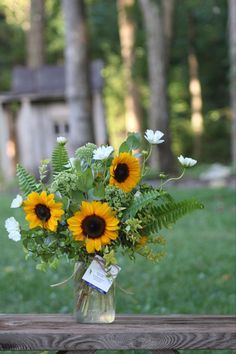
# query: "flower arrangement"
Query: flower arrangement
96,204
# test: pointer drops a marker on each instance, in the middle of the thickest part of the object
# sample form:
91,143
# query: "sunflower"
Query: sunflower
42,210
125,171
95,223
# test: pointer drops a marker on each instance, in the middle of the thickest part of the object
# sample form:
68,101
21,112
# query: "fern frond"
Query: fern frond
142,201
27,182
168,214
60,159
166,197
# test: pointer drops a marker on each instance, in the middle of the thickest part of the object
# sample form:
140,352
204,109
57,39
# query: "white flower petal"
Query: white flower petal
15,236
13,228
187,161
102,152
17,202
154,137
61,140
158,135
12,225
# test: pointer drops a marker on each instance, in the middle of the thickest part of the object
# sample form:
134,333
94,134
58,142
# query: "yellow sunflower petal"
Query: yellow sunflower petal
43,197
90,246
34,223
51,224
87,208
111,234
79,237
105,240
97,244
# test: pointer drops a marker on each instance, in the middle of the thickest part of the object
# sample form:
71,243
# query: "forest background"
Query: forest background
198,53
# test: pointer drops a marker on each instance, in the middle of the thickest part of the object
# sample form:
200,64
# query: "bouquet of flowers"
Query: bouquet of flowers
96,204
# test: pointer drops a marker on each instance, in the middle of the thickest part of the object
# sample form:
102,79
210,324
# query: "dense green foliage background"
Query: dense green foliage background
210,44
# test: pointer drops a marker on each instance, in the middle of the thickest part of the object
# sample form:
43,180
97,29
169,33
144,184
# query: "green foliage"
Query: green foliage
85,153
217,127
59,159
85,180
118,199
43,169
150,255
167,214
27,182
12,43
133,142
65,182
54,32
141,201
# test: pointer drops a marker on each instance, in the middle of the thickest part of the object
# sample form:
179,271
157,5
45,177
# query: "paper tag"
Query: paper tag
99,278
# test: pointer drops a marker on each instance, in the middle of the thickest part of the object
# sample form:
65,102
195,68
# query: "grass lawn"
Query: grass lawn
196,277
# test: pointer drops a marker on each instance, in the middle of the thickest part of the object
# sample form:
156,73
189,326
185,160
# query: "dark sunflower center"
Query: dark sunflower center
93,226
42,212
121,172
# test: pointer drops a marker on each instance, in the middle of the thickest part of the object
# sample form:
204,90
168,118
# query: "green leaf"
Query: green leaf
65,201
124,148
42,267
134,141
85,181
54,263
99,191
77,197
60,159
27,182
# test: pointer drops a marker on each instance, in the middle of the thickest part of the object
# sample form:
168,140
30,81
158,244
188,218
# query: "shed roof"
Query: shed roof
46,83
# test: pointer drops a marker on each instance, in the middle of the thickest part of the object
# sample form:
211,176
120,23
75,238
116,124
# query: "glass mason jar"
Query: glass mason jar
91,306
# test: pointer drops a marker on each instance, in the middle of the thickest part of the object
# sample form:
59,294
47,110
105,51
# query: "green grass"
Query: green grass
196,277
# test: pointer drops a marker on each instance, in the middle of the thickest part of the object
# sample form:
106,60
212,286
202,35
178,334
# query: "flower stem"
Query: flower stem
173,179
146,158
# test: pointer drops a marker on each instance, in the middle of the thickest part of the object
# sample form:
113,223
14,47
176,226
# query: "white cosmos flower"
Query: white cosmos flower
13,228
154,137
61,140
17,202
187,161
102,153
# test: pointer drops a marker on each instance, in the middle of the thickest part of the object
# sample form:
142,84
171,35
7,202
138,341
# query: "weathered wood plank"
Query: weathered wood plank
79,352
61,332
170,351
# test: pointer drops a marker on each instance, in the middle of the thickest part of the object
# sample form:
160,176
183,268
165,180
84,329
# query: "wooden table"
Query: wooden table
160,334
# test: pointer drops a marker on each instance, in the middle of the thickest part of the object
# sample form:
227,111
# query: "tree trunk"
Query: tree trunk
168,8
159,116
127,40
36,40
77,74
232,48
195,91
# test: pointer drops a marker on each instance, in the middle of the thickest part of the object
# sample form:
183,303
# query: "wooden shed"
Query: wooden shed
35,112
